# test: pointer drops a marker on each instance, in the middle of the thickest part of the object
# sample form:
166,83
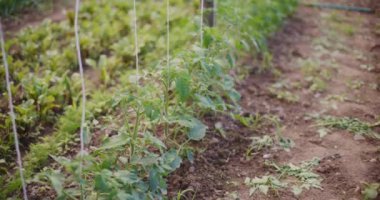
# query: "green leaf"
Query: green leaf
205,102
190,156
126,177
154,140
151,110
286,143
115,141
154,179
100,183
231,60
234,95
57,180
371,191
91,62
172,159
197,131
207,39
182,88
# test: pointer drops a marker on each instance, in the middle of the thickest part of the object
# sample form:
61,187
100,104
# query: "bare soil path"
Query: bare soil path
325,64
28,17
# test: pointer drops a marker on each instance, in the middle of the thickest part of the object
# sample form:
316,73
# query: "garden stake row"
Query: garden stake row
12,113
201,26
167,84
136,40
81,154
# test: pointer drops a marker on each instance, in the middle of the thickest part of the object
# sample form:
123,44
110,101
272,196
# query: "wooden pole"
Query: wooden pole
209,17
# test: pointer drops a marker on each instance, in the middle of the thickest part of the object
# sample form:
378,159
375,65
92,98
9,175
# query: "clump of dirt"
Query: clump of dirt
206,176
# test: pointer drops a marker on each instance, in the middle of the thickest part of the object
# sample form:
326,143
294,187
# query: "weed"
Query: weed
317,84
232,195
182,194
338,23
371,191
337,97
283,142
220,129
285,95
252,122
345,28
355,84
315,75
323,132
306,179
353,125
281,91
259,143
264,184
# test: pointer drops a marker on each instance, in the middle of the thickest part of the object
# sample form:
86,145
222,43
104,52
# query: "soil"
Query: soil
348,52
29,17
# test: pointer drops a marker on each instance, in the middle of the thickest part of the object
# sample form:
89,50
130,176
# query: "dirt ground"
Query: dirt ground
55,11
344,48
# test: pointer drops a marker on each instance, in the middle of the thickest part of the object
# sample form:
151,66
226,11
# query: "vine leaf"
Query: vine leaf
182,88
197,131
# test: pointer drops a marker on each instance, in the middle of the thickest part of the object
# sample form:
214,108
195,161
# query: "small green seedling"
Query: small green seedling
252,122
355,84
220,129
283,142
371,191
280,90
181,194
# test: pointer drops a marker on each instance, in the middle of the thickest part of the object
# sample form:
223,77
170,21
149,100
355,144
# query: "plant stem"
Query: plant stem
135,131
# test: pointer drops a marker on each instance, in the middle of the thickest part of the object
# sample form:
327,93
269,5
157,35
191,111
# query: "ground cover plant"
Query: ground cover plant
136,134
